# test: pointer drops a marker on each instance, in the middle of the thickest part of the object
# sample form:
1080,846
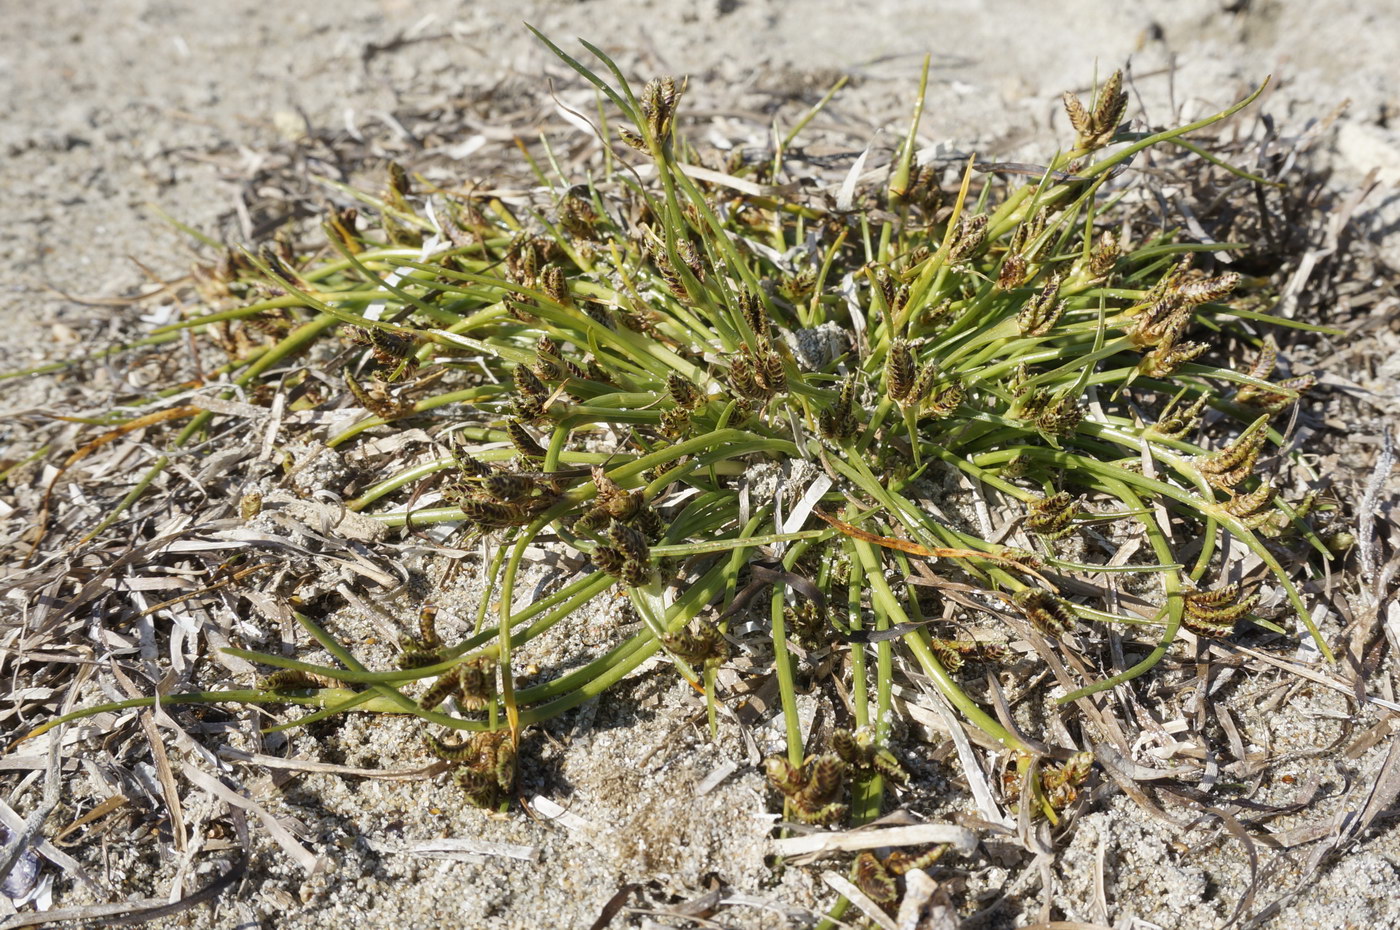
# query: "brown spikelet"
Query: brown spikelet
471,467
290,679
1040,314
967,239
1028,240
1160,323
376,399
945,401
488,765
1167,359
752,309
427,627
478,786
1253,509
814,789
1052,517
493,514
476,683
769,370
658,99
524,443
1234,463
451,752
1277,401
706,646
1265,360
899,370
843,743
1013,272
1192,293
1111,101
862,756
555,285
924,192
278,323
526,407
807,624
692,257
250,505
448,684
875,880
527,383
1095,130
1215,613
1286,392
1024,557
1176,421
400,187
1061,781
1059,415
839,423
1079,118
825,776
899,862
676,422
1159,309
415,655
947,656
784,776
1105,255
577,215
668,273
741,378
823,815
923,383
509,488
885,286
609,560
1047,612
636,574
901,297
683,391
388,346
628,540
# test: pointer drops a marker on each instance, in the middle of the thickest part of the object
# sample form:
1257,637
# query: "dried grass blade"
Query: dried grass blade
167,780
923,834
305,858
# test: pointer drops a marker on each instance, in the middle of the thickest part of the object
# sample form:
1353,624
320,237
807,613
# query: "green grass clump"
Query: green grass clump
612,374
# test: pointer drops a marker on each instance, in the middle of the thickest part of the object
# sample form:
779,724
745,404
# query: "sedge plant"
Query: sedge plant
614,373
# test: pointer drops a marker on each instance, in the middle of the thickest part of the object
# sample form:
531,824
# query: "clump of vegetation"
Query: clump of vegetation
615,376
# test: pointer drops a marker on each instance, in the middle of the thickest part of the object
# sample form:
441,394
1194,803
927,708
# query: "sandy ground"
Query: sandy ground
108,107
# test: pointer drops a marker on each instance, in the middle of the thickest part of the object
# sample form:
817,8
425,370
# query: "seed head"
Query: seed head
1215,613
1052,517
1040,314
945,401
1176,421
1094,130
524,443
875,880
1048,613
1234,463
967,238
899,370
1105,255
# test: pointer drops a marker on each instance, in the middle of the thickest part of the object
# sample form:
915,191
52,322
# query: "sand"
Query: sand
110,111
